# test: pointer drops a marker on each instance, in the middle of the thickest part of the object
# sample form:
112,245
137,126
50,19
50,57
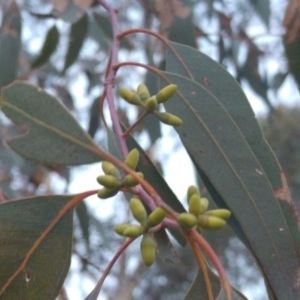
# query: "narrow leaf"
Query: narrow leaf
76,39
219,149
104,26
22,222
84,222
48,48
215,79
94,117
263,9
54,136
10,43
198,288
70,10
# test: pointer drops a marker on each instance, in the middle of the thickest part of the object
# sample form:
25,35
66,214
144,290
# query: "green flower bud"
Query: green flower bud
195,205
204,204
166,93
130,97
210,222
187,220
130,181
109,169
107,193
119,229
147,250
168,118
151,103
138,210
133,231
156,217
220,213
191,191
143,92
132,159
108,181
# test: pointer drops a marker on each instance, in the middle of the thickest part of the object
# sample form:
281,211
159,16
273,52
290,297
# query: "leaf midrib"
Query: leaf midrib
67,136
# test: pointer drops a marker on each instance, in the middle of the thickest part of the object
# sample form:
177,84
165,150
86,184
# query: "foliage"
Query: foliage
190,91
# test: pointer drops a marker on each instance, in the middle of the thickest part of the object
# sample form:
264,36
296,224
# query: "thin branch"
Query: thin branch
110,77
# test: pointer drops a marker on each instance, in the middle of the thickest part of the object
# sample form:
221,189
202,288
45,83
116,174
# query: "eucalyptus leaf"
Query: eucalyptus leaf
22,222
10,44
54,136
219,149
76,40
198,288
48,48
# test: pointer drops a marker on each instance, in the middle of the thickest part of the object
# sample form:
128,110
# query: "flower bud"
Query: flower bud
204,204
147,250
151,103
168,118
130,181
166,93
195,205
107,193
138,210
191,191
187,220
156,217
108,181
220,213
132,159
109,169
133,231
210,222
119,229
143,92
130,97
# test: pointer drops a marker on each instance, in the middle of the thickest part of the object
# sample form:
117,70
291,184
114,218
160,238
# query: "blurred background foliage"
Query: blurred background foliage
63,47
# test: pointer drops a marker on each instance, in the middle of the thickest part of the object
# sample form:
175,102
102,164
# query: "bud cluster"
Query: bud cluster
139,212
113,181
150,103
198,215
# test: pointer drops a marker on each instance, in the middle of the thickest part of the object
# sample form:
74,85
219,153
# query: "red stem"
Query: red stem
110,77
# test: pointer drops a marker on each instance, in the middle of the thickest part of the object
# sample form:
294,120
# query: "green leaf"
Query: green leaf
10,43
215,79
165,250
54,136
219,149
104,25
225,88
196,291
292,49
94,117
48,48
76,39
263,9
182,31
84,222
22,222
70,10
98,34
